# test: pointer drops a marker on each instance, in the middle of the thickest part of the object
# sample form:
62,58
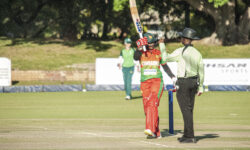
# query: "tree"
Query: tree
122,17
231,27
23,17
68,17
187,15
170,14
107,9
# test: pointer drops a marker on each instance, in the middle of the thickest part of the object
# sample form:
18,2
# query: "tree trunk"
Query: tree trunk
121,35
105,30
107,17
187,15
70,33
24,24
244,28
226,29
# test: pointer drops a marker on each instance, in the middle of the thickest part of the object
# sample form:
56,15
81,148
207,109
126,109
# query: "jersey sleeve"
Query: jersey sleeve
137,55
166,57
175,56
120,58
201,74
163,61
168,70
163,51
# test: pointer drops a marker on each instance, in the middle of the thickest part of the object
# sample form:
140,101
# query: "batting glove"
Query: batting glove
141,42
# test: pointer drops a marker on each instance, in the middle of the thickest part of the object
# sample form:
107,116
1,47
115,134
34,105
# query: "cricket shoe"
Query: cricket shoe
154,137
159,137
127,97
187,140
149,133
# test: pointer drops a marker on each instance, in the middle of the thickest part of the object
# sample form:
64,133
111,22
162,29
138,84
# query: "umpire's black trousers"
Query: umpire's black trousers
186,96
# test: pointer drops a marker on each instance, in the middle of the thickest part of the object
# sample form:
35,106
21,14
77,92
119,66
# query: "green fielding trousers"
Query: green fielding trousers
127,77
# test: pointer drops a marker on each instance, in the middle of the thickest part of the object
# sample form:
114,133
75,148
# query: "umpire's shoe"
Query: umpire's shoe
186,140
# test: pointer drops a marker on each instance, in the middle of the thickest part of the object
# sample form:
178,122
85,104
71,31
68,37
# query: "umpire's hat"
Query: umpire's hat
189,34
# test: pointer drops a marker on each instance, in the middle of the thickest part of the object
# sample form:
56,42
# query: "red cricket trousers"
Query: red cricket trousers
152,90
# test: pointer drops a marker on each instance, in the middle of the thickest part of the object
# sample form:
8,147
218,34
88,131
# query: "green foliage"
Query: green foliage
218,3
202,23
119,5
77,19
25,18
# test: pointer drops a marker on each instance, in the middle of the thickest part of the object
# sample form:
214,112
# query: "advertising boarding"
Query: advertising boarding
5,72
217,72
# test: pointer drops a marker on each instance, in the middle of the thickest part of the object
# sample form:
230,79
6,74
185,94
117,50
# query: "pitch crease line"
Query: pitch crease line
157,144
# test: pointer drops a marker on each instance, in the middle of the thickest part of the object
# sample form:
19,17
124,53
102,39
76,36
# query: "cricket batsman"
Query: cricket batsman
151,81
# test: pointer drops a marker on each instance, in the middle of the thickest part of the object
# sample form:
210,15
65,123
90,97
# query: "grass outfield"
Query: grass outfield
104,120
55,54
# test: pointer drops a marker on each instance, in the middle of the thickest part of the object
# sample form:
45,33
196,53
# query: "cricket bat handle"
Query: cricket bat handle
144,47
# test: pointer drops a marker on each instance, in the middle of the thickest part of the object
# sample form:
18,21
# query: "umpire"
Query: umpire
190,77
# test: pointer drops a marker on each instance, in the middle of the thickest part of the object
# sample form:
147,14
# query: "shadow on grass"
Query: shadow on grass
97,45
20,41
14,82
165,132
206,136
136,97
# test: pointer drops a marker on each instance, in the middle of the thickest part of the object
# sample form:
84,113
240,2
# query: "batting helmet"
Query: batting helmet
150,37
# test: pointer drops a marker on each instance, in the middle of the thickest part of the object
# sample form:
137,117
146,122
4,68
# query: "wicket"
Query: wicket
170,89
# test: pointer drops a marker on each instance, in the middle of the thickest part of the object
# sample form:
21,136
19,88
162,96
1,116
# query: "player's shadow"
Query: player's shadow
165,132
206,136
136,97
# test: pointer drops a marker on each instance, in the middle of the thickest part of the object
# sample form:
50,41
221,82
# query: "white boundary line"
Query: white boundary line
99,135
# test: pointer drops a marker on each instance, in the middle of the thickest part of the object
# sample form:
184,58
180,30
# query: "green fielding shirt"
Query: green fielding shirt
128,57
189,63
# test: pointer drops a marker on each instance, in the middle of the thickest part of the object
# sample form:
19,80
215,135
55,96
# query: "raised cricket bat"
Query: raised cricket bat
136,19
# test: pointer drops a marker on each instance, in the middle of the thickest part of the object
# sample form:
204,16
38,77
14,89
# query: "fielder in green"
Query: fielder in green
127,64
